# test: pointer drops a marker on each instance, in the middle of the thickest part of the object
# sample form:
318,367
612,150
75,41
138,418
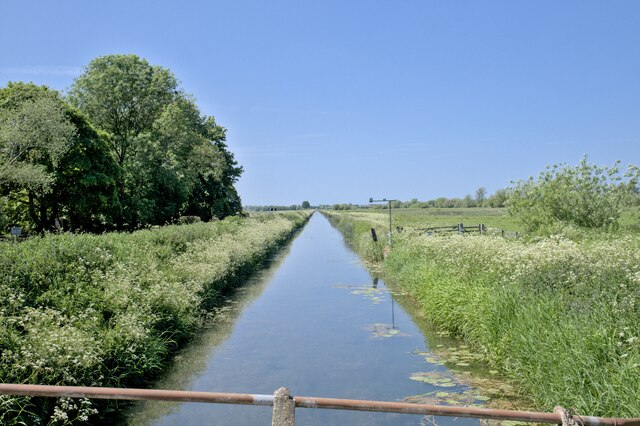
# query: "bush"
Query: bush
587,196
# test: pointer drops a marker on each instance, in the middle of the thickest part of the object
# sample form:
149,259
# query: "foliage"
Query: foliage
559,316
34,136
271,207
497,199
586,196
123,95
174,159
305,205
481,195
55,164
108,310
151,157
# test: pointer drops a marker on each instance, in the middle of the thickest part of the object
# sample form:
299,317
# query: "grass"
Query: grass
109,310
557,315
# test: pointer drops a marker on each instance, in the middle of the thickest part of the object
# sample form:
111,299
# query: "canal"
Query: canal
317,322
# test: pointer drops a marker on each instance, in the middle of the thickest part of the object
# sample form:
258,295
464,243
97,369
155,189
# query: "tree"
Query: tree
34,137
53,164
586,195
305,205
174,159
86,179
498,199
481,194
123,95
217,171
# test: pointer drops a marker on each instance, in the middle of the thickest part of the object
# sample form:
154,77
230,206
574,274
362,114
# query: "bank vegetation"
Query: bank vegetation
110,310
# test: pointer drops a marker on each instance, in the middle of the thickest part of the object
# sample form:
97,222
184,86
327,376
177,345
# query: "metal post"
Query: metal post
284,409
390,237
390,227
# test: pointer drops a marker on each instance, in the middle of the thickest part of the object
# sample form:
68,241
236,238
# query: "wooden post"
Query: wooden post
284,409
373,235
461,228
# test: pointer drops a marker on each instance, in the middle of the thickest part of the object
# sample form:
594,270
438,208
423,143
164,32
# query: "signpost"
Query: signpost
384,200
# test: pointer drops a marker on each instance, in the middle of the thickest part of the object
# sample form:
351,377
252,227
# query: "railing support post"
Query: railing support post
567,418
284,409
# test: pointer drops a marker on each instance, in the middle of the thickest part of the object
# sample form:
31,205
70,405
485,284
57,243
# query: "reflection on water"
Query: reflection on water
192,361
319,324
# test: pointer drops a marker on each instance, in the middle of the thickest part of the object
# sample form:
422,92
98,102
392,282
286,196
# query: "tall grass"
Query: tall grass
109,310
560,317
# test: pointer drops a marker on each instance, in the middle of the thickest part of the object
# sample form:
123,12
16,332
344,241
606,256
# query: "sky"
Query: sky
338,101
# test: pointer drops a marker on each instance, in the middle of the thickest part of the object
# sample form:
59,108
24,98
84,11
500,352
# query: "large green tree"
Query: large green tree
53,164
123,95
174,159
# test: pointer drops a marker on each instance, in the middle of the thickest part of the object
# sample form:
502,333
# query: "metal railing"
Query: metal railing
284,404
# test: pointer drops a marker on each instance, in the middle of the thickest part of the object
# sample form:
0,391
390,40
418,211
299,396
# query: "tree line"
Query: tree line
497,199
125,148
273,207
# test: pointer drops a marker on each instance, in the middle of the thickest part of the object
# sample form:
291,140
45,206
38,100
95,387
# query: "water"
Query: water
316,322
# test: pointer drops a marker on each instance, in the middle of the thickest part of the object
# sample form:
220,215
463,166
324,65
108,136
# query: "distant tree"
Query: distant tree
467,201
305,205
498,198
440,202
481,194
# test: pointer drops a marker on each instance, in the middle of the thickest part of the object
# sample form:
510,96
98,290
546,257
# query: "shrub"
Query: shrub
586,195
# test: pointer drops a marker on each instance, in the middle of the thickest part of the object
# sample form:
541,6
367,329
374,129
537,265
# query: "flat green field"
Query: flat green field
495,219
422,218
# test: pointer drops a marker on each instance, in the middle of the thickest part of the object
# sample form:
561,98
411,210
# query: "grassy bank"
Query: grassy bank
109,310
560,317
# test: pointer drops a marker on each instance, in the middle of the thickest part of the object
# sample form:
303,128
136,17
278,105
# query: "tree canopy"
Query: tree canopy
127,148
53,163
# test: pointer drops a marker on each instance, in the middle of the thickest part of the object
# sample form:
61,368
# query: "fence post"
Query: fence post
461,228
567,418
373,235
284,409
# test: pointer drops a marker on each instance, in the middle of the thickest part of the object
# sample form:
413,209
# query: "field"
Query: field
558,314
109,310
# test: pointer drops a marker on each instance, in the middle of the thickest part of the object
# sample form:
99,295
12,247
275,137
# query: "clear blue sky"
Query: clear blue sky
339,101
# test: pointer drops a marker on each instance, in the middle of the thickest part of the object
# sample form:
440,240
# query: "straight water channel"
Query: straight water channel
314,321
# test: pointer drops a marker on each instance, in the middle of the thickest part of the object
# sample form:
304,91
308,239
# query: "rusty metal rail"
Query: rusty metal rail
282,402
